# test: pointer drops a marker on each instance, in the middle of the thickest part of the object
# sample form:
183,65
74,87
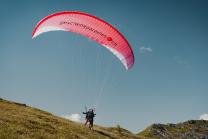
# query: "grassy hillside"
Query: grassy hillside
193,129
18,121
21,121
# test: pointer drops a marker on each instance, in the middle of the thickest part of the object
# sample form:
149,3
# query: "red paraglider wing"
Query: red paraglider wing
91,27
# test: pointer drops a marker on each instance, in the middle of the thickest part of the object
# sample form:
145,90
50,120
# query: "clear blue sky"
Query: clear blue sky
61,72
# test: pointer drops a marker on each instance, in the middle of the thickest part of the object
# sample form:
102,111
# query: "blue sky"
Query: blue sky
61,72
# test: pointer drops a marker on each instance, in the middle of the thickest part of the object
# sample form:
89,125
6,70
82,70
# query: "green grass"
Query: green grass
18,121
186,130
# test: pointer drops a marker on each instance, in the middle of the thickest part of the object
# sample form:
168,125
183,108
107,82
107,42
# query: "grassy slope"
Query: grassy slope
186,130
21,121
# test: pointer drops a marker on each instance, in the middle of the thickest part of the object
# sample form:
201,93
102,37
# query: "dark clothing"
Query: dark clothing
89,117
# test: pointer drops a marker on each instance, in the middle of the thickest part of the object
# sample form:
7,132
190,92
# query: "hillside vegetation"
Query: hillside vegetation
193,129
19,121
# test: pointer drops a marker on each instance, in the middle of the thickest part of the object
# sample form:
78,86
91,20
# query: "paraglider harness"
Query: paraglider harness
90,114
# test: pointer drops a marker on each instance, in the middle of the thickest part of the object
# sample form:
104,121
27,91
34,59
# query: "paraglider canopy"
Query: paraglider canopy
91,27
